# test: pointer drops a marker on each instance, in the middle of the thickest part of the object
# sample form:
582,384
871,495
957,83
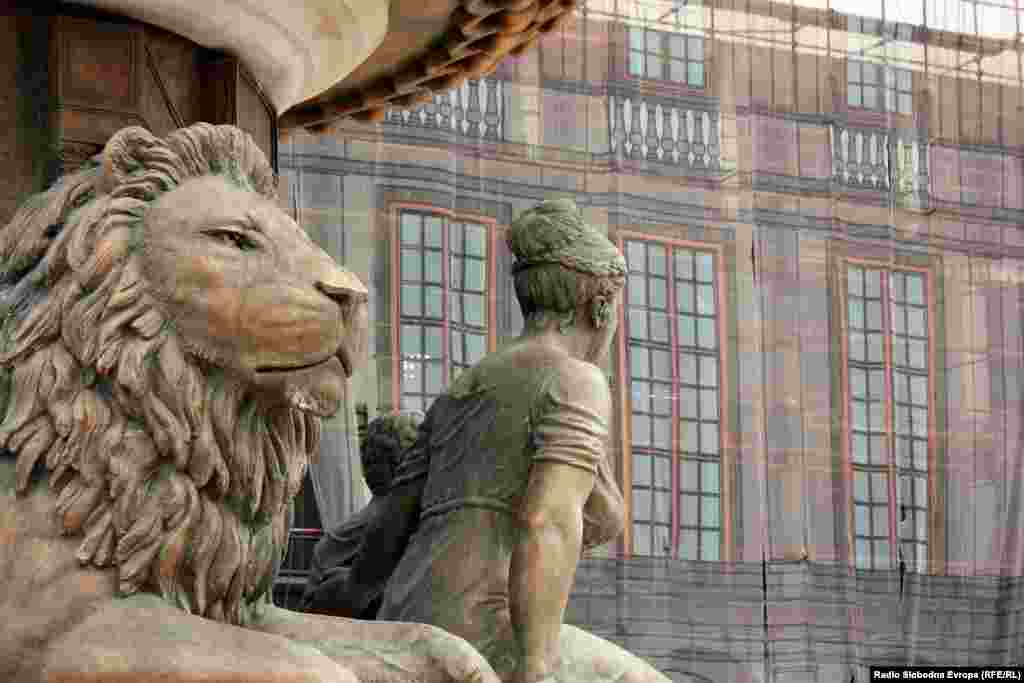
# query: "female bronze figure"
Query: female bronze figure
508,479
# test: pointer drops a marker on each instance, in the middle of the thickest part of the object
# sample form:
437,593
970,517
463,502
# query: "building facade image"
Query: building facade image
818,367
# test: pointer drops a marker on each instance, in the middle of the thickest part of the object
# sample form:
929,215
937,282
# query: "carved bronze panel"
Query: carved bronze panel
99,63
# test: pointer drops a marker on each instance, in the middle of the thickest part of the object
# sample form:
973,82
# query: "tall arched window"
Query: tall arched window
445,309
673,348
888,351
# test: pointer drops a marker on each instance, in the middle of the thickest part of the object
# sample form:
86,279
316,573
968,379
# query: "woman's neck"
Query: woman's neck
573,339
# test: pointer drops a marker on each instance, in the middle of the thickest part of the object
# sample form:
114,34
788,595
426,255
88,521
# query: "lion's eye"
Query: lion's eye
236,239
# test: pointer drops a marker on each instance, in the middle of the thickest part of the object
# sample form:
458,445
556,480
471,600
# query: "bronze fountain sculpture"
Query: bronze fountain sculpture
380,449
508,480
170,340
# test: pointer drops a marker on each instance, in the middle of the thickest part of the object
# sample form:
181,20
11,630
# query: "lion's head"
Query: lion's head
169,340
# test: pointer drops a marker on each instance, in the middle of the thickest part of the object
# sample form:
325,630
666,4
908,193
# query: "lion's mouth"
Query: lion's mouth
342,355
316,387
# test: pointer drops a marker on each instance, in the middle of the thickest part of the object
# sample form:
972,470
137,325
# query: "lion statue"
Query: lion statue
169,342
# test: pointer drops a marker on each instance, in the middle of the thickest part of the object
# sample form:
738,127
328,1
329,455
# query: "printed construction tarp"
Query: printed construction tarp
796,621
846,479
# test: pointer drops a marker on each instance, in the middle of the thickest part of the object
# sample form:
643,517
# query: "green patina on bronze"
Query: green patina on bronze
8,474
231,171
262,543
137,238
242,508
561,263
449,540
6,382
149,571
164,472
554,232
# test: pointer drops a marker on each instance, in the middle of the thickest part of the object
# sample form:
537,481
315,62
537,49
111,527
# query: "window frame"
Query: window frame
884,87
936,538
448,216
665,53
726,484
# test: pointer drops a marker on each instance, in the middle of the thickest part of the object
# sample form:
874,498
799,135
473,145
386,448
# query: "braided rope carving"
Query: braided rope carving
480,35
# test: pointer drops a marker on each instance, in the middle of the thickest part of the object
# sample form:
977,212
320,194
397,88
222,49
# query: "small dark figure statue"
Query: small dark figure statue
385,439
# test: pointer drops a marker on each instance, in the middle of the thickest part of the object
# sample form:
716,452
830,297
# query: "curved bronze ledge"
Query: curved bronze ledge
480,34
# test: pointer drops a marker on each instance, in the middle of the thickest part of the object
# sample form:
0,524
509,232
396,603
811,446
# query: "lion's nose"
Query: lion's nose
344,288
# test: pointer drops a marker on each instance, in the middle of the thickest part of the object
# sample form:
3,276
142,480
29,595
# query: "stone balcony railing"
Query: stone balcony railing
886,160
475,110
659,130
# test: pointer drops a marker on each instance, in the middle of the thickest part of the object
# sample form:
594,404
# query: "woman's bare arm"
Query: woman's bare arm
544,562
571,435
604,511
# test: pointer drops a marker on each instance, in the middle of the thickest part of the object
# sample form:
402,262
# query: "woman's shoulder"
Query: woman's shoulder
585,376
577,385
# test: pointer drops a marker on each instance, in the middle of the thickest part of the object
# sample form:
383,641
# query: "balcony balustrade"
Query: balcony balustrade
680,135
886,160
475,110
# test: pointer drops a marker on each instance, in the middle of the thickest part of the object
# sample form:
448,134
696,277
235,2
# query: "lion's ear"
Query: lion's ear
121,154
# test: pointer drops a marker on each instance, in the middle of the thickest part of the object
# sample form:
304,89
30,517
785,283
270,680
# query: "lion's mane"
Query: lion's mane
166,464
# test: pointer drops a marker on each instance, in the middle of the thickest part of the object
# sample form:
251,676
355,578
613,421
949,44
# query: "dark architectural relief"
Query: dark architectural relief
83,76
